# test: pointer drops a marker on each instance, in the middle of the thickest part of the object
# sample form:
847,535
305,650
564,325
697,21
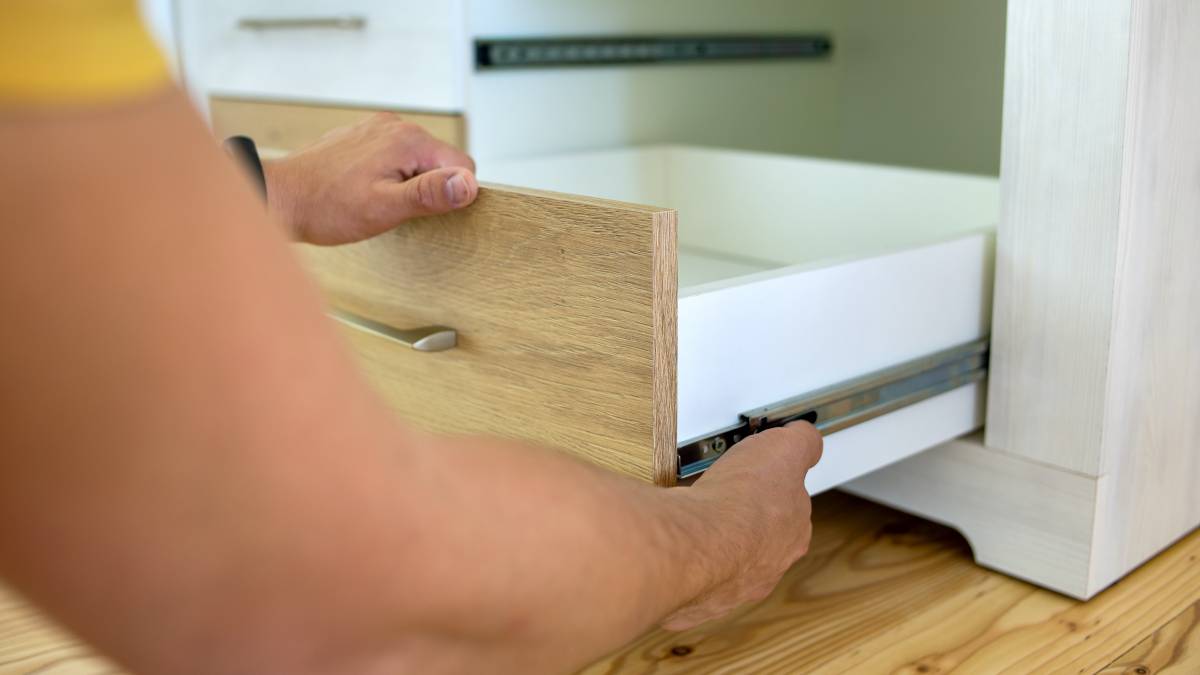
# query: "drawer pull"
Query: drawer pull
423,339
352,23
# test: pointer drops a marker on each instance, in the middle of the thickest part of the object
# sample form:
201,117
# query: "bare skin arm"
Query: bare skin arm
195,479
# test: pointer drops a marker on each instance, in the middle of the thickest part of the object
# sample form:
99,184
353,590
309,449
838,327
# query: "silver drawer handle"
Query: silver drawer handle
301,22
423,339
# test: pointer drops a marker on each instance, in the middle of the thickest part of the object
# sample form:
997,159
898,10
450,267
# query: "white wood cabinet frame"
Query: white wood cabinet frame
1091,457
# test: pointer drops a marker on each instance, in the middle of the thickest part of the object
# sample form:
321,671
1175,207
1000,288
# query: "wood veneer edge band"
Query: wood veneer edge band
664,366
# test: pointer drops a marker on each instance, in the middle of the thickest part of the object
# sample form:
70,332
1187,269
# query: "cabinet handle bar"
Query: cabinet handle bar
259,23
423,339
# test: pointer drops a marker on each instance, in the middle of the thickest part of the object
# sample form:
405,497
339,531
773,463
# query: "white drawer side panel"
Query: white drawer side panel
760,342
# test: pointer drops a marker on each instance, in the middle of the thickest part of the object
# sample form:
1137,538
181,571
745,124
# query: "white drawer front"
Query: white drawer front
399,54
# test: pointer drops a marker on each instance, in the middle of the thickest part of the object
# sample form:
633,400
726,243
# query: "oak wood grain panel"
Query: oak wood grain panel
286,127
1173,649
664,378
565,308
1056,249
1151,434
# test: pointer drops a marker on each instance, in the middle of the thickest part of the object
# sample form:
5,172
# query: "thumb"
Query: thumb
433,192
809,439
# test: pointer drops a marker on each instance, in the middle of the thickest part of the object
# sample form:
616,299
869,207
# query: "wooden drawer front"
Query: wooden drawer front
404,54
565,309
284,127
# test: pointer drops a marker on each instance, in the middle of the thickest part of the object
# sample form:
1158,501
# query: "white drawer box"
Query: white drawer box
400,54
795,274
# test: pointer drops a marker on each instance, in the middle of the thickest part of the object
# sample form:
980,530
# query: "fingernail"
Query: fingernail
456,190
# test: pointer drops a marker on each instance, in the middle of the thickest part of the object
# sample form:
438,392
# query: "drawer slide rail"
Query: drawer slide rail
849,403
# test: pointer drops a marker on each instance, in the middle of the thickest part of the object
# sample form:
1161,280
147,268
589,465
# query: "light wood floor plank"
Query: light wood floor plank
880,592
1173,649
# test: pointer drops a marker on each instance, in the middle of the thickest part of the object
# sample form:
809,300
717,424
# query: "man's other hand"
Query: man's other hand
365,179
764,514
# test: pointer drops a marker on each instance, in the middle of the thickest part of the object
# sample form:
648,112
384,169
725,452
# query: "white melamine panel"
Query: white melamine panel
1150,439
1059,244
699,266
1090,464
628,174
799,210
885,440
410,55
761,339
1023,518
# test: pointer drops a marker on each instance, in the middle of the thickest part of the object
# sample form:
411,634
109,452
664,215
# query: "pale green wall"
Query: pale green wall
780,106
921,82
911,82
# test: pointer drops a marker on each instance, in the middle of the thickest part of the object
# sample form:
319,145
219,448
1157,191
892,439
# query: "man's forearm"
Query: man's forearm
546,569
230,480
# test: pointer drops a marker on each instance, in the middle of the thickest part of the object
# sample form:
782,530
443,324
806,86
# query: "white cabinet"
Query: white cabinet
400,54
1091,456
798,274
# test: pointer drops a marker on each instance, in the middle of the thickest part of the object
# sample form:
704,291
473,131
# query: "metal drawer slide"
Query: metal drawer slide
849,403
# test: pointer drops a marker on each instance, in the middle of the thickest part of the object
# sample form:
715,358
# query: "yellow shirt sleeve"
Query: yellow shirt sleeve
62,52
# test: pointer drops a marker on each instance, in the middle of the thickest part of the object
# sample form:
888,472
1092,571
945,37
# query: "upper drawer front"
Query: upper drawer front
284,127
565,312
395,53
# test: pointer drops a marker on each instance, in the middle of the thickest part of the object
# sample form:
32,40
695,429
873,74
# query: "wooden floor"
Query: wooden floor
880,592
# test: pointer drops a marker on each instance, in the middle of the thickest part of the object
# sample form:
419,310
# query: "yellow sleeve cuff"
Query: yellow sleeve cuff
75,51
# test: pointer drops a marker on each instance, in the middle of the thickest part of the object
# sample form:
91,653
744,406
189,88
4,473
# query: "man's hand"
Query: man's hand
764,511
363,180
215,470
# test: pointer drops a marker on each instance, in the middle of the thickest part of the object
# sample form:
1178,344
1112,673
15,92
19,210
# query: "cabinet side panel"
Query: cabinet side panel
1023,518
1061,165
1152,424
